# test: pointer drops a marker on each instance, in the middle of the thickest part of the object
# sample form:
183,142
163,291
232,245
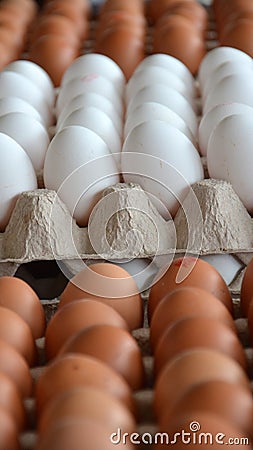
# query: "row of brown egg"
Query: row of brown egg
94,364
121,33
58,35
179,29
16,17
200,366
22,322
234,24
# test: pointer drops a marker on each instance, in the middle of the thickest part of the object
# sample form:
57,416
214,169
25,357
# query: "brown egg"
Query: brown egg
9,438
54,54
198,332
129,26
11,41
157,9
132,6
112,345
19,14
87,402
16,368
9,19
228,12
75,370
29,6
190,368
228,24
83,6
28,9
179,38
250,321
192,11
11,401
18,296
21,339
75,316
6,54
110,284
230,401
247,288
187,302
225,9
218,7
124,47
82,434
239,35
55,24
69,10
193,272
120,19
202,429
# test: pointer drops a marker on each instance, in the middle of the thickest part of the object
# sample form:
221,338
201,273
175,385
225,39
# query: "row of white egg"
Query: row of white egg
26,110
224,74
153,122
225,130
160,132
83,156
165,80
28,81
92,95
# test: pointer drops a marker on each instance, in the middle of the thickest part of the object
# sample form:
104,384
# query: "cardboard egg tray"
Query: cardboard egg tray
39,237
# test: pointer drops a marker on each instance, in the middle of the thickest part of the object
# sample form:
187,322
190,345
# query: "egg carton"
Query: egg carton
143,398
125,225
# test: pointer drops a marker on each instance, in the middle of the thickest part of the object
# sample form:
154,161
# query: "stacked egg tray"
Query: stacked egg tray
37,266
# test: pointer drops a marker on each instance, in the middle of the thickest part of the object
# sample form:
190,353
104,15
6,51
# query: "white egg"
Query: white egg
97,121
79,166
163,161
172,64
98,64
223,70
152,110
91,99
169,97
232,88
16,176
230,156
152,75
15,104
37,75
89,83
217,56
29,133
211,119
17,85
227,265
